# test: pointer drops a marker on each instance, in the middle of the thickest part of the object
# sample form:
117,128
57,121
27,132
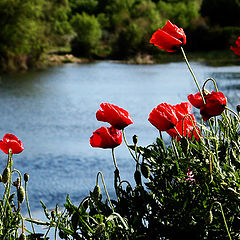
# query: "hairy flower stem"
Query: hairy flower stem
224,219
116,173
28,207
125,140
105,188
9,182
230,110
193,75
114,159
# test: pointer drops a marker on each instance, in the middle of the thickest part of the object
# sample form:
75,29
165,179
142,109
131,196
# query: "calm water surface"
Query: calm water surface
53,112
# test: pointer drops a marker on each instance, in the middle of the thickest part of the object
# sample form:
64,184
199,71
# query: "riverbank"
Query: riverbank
64,56
212,58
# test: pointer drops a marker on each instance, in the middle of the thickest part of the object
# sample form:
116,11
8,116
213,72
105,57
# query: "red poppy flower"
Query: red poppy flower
106,137
11,142
236,49
169,38
163,117
215,104
186,127
166,116
116,116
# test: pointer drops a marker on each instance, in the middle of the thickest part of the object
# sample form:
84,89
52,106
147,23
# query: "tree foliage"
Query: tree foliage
28,27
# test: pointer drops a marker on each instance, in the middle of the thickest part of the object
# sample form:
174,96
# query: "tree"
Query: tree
21,33
222,12
88,34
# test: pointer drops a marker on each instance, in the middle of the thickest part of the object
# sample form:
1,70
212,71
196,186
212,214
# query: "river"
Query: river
53,112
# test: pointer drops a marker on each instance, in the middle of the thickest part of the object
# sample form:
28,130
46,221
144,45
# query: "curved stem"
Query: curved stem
229,109
214,82
19,174
178,133
224,219
100,173
193,75
125,140
125,181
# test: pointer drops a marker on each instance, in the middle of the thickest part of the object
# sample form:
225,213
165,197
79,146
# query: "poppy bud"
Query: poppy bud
238,108
137,177
16,183
53,214
135,139
145,170
6,175
97,192
100,227
128,189
20,194
23,237
75,220
26,177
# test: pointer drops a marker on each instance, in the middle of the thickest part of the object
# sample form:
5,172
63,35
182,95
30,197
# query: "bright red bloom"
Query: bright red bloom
215,104
236,49
166,116
116,116
186,127
163,117
10,141
106,137
169,38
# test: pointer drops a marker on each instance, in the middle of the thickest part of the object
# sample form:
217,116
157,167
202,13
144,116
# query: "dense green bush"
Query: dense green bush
88,33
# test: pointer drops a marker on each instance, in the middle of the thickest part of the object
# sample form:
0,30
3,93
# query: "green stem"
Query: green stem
19,174
28,207
100,173
224,219
193,75
233,113
214,82
178,133
114,159
125,140
9,182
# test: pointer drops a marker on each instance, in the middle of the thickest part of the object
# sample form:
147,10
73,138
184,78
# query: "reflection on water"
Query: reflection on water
53,112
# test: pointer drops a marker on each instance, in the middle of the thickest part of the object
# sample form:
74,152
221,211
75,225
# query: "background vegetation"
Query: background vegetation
108,29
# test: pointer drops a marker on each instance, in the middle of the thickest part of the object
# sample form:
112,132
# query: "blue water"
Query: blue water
53,112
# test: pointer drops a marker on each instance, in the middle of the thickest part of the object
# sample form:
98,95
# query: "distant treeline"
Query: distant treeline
109,29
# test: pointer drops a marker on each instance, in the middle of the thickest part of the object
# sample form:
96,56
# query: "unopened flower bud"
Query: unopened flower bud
53,214
26,177
128,188
97,192
135,139
145,170
137,177
238,108
75,220
20,194
100,227
6,175
16,183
